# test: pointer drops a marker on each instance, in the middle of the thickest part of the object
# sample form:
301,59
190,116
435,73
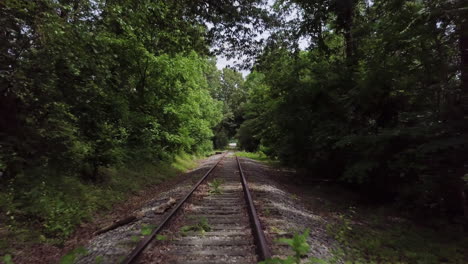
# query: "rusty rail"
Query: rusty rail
263,250
144,243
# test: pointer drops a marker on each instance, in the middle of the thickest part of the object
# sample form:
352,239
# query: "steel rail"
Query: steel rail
144,243
263,250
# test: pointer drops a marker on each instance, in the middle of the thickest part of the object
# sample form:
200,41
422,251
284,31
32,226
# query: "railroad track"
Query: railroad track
220,225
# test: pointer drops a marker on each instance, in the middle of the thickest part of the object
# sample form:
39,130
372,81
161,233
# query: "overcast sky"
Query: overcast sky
222,62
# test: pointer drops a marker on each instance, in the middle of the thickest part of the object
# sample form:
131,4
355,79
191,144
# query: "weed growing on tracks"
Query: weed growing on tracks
161,237
214,186
275,229
73,255
99,260
146,229
7,259
299,245
201,226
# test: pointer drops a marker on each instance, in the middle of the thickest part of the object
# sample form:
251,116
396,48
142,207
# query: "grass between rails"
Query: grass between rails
49,209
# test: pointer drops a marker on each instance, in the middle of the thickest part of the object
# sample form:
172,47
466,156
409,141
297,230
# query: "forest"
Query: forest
95,94
377,102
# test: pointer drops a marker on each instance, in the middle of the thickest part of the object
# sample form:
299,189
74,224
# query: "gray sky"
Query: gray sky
222,62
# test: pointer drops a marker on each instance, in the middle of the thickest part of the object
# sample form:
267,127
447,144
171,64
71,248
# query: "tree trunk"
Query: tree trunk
463,46
348,13
348,35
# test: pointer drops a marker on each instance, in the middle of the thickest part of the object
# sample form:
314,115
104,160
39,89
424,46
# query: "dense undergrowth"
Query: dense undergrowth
381,242
48,209
368,232
383,239
372,234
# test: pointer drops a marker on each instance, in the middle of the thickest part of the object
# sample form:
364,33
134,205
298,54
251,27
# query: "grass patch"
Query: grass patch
258,156
48,207
183,162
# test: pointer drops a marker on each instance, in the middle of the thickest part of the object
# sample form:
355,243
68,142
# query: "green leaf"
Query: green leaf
161,237
8,259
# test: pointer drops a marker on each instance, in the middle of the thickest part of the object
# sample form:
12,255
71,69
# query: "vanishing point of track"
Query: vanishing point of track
235,235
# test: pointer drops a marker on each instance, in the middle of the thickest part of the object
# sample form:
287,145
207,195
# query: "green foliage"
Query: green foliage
366,104
260,156
7,259
215,186
97,99
256,111
161,237
184,162
89,89
232,93
99,260
299,245
59,204
220,139
201,226
71,256
146,230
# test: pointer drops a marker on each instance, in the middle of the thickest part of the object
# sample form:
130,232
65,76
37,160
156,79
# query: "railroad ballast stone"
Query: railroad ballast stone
229,239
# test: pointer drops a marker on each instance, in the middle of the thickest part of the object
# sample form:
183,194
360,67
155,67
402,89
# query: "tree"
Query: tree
372,101
232,94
